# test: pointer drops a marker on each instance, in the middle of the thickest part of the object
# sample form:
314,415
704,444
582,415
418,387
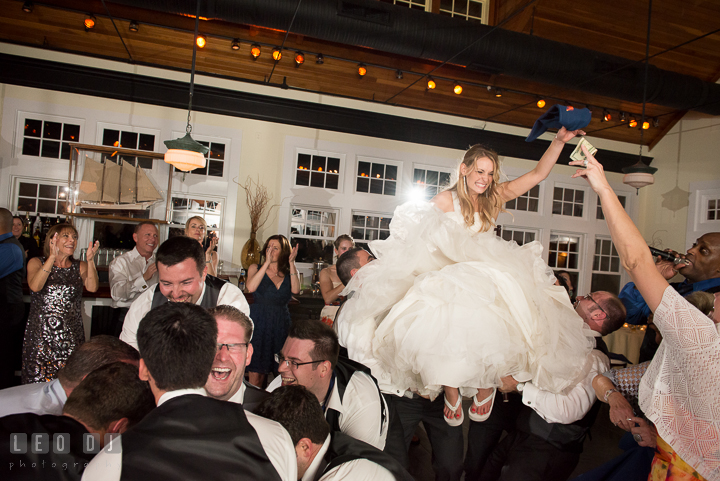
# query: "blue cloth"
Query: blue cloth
560,116
638,311
269,311
11,257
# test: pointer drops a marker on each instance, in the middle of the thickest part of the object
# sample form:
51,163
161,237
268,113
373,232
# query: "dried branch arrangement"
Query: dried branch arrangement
257,199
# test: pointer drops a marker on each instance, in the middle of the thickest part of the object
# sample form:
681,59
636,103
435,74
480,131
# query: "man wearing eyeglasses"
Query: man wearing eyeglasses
347,393
234,352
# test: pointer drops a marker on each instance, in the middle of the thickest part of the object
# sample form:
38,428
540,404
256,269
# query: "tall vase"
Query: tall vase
250,252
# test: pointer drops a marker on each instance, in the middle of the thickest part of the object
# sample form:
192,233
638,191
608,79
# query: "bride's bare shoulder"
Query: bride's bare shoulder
443,201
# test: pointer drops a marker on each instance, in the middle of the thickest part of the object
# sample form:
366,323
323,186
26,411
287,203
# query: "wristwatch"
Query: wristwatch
520,386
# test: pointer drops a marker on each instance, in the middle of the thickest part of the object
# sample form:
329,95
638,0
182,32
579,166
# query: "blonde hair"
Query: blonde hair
702,300
489,202
198,218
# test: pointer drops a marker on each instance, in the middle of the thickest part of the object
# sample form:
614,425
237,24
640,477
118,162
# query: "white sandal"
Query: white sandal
455,421
474,416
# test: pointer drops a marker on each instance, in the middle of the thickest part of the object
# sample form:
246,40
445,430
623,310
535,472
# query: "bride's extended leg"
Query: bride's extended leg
453,404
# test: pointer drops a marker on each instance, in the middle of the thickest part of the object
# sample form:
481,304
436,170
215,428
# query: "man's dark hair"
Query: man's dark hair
326,342
232,313
616,314
346,263
298,411
108,394
178,343
6,221
176,249
96,352
147,222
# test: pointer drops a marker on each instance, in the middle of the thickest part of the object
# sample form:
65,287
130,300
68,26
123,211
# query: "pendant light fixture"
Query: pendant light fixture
185,153
639,175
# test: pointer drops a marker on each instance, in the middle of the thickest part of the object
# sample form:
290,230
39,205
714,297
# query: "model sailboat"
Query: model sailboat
111,186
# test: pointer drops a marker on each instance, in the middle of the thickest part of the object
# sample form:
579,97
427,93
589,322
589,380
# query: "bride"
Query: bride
449,306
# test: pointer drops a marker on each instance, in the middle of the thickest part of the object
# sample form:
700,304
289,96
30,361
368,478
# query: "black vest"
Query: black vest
566,437
344,448
11,294
68,466
344,370
195,437
213,285
253,397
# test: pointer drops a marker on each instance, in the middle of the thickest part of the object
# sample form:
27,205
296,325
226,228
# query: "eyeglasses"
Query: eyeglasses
589,296
236,347
292,364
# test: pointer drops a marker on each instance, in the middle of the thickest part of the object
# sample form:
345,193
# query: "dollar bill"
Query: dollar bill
578,154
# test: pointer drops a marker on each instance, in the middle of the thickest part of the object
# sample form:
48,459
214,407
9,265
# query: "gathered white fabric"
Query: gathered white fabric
680,392
444,305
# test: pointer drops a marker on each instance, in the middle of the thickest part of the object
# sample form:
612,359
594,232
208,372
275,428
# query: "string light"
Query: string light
362,70
632,124
201,41
607,117
498,93
235,45
89,22
646,125
299,59
541,103
431,83
255,51
277,54
319,59
457,89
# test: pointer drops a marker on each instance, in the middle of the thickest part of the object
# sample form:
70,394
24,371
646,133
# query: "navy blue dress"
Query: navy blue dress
269,311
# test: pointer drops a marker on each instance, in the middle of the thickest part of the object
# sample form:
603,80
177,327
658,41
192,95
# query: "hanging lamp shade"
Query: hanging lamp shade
185,153
639,175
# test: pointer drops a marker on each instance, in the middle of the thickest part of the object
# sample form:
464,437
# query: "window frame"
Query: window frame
366,214
20,133
319,153
61,185
385,162
579,252
210,139
203,197
434,168
524,230
308,207
585,204
102,126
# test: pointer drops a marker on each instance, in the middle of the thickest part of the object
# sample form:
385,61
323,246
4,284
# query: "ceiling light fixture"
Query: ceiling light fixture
277,54
607,116
632,124
622,117
200,41
134,27
299,59
399,74
362,69
646,125
235,45
457,89
431,83
498,93
656,122
89,22
319,59
185,153
540,103
255,51
28,7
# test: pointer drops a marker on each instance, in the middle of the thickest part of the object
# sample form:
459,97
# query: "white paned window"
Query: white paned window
375,177
528,202
606,267
519,235
416,4
430,180
713,209
42,197
369,227
599,214
128,139
318,170
48,138
564,251
475,10
183,208
313,229
567,201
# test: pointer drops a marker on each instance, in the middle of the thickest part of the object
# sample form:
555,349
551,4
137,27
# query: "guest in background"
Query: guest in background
134,272
564,280
55,326
12,306
680,391
272,282
30,245
196,227
330,284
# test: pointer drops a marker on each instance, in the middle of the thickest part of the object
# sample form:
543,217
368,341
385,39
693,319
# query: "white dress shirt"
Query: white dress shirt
275,440
574,404
38,398
360,410
229,295
355,470
239,396
126,277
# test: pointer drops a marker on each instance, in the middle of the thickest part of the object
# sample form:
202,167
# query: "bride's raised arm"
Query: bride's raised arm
517,187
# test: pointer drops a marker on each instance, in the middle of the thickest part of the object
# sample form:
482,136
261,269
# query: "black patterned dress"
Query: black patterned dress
55,326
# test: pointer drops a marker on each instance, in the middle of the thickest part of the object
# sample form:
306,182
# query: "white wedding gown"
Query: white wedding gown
446,305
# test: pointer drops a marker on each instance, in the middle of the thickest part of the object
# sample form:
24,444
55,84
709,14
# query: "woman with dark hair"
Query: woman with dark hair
272,282
55,326
452,308
196,227
564,279
29,244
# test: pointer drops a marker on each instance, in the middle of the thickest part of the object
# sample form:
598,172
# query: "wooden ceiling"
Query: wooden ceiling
616,27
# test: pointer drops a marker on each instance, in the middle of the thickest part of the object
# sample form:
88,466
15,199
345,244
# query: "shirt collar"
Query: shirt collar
315,465
239,396
180,392
135,254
